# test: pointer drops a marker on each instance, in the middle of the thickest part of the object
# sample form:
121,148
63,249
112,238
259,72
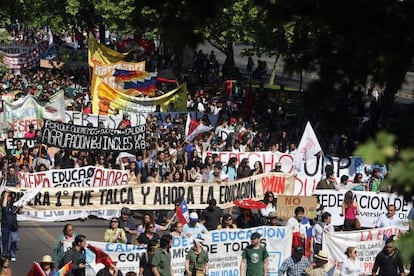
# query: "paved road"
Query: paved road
37,238
406,92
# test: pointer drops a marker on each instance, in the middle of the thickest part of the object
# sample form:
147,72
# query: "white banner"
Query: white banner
89,176
66,215
311,171
371,205
368,243
224,248
109,121
25,111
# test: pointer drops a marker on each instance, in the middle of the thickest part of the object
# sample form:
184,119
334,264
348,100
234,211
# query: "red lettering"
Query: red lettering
274,184
268,163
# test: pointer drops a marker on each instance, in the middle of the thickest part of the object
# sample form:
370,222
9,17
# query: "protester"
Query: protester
161,260
273,220
389,219
254,258
278,167
217,175
196,260
148,218
5,270
148,235
47,266
257,168
145,266
387,262
375,181
9,226
299,228
177,230
68,235
296,264
246,219
227,223
77,255
319,230
126,223
329,181
114,233
350,210
212,215
270,201
194,227
111,270
318,267
351,266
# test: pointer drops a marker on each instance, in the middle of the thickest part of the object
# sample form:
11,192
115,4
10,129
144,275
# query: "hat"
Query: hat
47,259
193,216
255,235
233,120
278,164
322,255
272,215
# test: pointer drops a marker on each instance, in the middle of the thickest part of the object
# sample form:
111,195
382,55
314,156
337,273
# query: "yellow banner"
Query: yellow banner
159,196
106,99
99,54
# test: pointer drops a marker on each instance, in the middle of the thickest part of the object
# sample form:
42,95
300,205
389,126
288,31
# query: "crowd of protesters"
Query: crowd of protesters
170,158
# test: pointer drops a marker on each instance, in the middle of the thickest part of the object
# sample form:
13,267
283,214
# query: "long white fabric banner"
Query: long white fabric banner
109,121
368,243
223,246
371,205
311,171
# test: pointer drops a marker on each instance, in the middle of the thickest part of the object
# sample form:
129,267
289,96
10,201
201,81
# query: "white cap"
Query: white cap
193,216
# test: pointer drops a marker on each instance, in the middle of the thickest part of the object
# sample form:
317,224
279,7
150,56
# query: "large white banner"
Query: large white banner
88,176
109,121
311,171
224,248
371,205
368,243
66,215
25,111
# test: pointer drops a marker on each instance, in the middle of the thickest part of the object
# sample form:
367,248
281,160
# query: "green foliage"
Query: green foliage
378,151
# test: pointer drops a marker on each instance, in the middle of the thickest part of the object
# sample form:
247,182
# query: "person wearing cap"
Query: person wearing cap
126,223
273,220
194,227
47,265
196,260
212,215
254,258
318,267
296,264
319,229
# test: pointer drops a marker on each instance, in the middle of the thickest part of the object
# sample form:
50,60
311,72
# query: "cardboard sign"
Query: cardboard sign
286,205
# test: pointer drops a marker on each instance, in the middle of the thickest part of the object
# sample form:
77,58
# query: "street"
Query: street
37,239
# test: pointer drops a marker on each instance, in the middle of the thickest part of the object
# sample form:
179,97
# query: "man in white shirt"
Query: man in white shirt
389,219
217,175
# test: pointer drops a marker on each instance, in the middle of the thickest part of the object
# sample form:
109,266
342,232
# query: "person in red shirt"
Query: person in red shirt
31,133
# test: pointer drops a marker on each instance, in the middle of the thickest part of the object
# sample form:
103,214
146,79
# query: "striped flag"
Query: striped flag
65,269
182,213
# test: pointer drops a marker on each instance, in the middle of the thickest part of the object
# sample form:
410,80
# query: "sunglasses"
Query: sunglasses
149,227
114,221
230,219
355,252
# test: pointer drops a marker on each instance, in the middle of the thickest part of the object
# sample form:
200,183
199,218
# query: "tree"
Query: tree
348,42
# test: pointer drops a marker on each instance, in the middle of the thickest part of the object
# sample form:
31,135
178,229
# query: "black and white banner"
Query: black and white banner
68,136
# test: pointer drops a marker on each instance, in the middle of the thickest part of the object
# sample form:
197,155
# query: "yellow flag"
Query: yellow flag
99,54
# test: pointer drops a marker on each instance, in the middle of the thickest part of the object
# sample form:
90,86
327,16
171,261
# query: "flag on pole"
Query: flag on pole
101,256
193,128
36,270
308,147
29,195
65,269
182,213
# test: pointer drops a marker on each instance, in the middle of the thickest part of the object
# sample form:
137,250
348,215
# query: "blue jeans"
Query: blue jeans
6,237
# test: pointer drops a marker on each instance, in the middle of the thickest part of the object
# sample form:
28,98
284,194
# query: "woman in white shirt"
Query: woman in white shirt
351,266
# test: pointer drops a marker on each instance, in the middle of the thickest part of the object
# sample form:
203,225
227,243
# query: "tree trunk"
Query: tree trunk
273,73
229,69
388,97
